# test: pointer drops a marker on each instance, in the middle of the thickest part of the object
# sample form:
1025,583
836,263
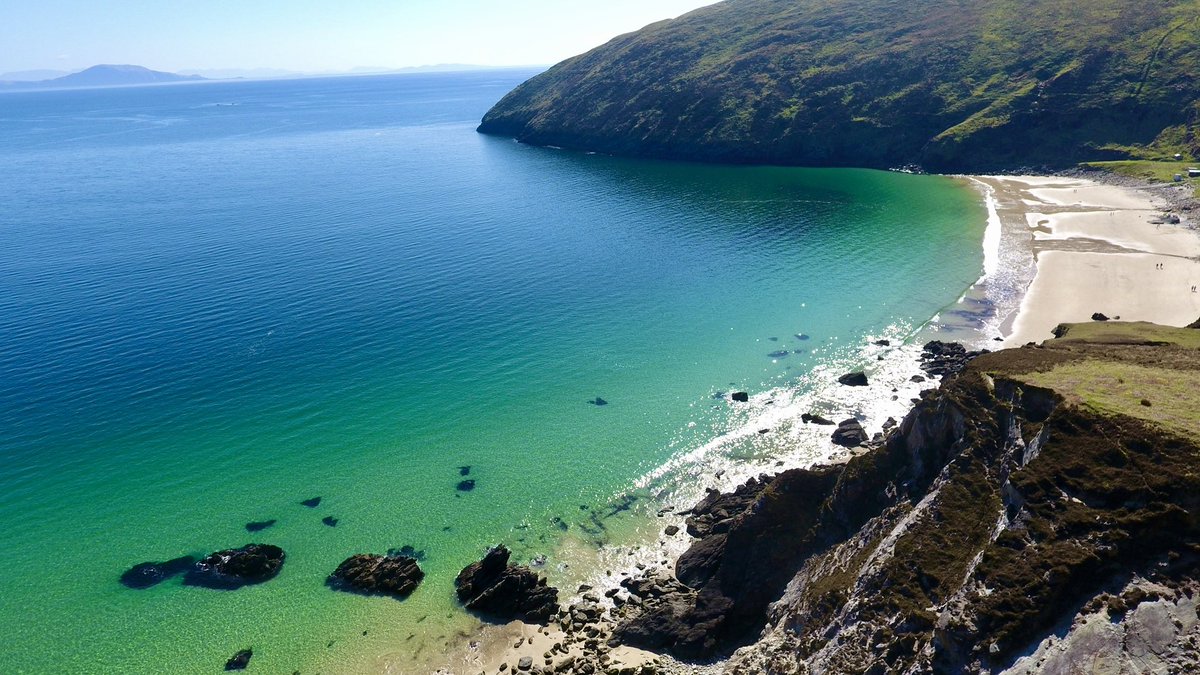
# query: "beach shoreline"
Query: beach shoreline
1096,248
1056,249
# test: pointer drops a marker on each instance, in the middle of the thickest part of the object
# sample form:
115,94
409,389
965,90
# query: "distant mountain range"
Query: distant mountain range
100,76
127,75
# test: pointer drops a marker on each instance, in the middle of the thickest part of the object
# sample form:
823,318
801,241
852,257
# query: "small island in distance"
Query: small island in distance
104,75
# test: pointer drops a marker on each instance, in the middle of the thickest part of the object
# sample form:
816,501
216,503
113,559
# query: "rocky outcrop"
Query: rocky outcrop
397,576
849,434
942,359
855,379
1001,525
497,589
147,574
237,567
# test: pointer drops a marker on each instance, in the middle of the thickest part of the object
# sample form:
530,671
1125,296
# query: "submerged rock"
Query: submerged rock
779,354
330,521
495,588
464,470
259,525
236,567
598,401
312,503
240,660
147,574
849,434
409,551
365,573
855,379
466,485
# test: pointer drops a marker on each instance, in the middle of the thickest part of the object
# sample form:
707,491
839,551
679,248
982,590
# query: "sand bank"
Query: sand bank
1098,248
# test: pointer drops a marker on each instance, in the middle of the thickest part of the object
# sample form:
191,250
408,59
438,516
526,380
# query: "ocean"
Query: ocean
220,299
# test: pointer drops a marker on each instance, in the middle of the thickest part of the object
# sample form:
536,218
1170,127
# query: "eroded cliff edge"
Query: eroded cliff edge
1039,509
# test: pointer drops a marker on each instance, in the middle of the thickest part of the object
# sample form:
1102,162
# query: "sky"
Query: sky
313,35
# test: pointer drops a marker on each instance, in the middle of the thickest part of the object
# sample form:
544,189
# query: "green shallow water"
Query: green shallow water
209,312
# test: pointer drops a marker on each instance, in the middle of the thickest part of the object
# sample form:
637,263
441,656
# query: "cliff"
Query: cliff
1039,510
960,85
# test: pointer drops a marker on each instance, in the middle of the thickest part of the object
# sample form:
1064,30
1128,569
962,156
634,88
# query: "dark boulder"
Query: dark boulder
466,485
330,521
849,434
236,567
369,574
312,503
259,525
943,359
812,418
240,660
740,396
497,589
147,574
883,343
1099,317
855,379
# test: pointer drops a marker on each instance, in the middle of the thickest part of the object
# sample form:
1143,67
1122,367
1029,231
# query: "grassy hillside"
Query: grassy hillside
950,85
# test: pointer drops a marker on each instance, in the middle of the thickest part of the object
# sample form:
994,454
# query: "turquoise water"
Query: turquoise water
217,300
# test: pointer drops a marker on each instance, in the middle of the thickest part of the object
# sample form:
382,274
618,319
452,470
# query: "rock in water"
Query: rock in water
943,359
312,503
466,485
147,574
239,661
330,521
397,576
496,588
856,379
236,567
811,418
259,525
849,434
598,401
740,396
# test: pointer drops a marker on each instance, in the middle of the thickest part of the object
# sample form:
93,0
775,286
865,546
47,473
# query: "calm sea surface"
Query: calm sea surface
220,299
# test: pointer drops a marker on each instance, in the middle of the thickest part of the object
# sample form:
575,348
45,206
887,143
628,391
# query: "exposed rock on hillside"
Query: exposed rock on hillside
1030,506
959,85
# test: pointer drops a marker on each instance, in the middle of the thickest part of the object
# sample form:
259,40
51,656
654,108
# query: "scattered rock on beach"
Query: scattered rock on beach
740,396
259,525
849,434
147,574
236,567
496,588
311,503
855,379
365,573
240,660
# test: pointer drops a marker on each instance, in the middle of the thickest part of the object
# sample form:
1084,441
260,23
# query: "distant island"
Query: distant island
962,86
104,76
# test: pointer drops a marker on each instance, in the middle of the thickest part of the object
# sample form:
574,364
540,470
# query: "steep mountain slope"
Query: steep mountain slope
953,84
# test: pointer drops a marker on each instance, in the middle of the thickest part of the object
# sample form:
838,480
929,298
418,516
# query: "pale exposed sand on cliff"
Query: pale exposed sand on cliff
1097,250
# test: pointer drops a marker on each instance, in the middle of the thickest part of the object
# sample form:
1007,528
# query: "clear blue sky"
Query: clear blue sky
312,35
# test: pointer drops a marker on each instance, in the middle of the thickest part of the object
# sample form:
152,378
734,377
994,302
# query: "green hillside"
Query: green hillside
949,85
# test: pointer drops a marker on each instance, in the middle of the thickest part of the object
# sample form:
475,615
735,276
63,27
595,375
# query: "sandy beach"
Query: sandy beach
1098,249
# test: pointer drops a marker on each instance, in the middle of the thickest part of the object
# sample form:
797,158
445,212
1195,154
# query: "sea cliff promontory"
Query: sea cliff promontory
962,85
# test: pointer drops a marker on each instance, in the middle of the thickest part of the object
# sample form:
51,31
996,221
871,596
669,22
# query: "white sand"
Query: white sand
1097,251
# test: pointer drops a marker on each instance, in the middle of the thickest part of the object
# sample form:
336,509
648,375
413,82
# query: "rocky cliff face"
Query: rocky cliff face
1040,509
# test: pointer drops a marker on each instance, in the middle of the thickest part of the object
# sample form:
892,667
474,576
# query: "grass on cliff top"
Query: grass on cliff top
1152,170
1121,367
